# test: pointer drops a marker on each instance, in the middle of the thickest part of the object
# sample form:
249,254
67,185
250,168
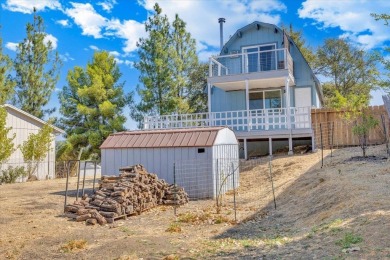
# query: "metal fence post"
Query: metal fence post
66,188
85,170
331,148
272,181
385,133
78,180
174,185
216,183
322,147
234,194
94,175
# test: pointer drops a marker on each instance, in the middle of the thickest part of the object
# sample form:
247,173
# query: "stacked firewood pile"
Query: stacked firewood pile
134,191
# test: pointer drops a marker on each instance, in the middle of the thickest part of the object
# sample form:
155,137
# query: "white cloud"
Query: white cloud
125,62
352,17
204,26
205,29
85,16
93,47
107,5
98,26
13,46
128,30
114,53
66,57
52,39
26,6
64,23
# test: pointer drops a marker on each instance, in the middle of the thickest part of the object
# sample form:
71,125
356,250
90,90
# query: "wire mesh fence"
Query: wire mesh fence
41,170
230,187
340,134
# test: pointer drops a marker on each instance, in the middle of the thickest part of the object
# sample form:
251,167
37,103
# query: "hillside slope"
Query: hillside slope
321,212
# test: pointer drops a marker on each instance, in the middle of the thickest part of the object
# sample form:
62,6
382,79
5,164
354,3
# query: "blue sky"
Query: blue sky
77,28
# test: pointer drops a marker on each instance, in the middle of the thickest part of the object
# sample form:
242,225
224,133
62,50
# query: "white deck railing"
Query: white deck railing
242,120
247,62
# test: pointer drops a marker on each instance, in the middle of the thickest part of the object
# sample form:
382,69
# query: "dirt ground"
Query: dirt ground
321,214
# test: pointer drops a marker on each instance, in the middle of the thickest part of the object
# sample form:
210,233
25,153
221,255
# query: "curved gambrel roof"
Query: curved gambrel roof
258,25
239,32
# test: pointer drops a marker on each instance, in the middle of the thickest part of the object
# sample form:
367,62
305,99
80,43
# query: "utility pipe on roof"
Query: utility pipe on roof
221,21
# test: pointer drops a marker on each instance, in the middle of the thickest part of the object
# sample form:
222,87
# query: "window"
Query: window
259,58
201,150
256,100
265,99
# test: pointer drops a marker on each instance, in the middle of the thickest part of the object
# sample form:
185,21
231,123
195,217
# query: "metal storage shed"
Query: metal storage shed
202,160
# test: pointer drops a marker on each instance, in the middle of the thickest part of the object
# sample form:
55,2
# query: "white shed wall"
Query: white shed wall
156,160
195,171
22,127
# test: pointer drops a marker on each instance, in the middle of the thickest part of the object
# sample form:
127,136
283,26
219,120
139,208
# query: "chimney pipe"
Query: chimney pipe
221,21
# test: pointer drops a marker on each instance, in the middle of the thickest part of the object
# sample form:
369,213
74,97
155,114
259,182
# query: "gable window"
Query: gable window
265,99
259,58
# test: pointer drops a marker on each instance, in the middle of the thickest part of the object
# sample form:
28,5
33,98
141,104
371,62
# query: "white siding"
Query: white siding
194,171
22,127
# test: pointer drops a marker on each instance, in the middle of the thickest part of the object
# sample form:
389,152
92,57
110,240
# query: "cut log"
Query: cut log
91,221
132,192
83,217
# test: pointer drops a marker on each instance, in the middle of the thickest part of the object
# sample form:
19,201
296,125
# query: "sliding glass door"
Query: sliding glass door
265,99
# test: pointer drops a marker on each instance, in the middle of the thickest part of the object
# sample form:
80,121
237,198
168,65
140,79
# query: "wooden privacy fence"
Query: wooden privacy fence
337,131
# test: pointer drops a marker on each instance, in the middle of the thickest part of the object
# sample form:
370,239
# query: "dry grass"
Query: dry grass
74,245
174,228
316,208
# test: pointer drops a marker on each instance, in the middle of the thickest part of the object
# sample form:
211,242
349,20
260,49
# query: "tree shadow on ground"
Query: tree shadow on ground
318,210
72,188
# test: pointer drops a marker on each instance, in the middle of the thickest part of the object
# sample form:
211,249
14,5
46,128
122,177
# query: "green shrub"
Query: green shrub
11,174
348,240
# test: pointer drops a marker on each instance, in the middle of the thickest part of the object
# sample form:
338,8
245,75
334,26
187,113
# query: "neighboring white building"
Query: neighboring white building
202,157
23,124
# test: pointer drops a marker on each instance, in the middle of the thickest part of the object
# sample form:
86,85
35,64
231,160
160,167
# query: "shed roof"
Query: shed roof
34,118
181,137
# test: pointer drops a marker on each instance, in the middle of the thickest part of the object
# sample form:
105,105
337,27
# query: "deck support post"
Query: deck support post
270,146
288,100
245,149
209,102
290,145
247,105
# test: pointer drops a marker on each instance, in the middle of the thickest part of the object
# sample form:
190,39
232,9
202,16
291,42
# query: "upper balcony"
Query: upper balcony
262,66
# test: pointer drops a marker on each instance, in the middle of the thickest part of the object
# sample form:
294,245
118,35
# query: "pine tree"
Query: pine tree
167,60
37,70
184,62
92,105
155,70
7,85
197,93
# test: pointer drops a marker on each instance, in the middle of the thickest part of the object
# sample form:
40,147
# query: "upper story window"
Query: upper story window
259,58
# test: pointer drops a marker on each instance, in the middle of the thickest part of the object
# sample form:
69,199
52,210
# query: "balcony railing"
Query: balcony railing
242,120
248,62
